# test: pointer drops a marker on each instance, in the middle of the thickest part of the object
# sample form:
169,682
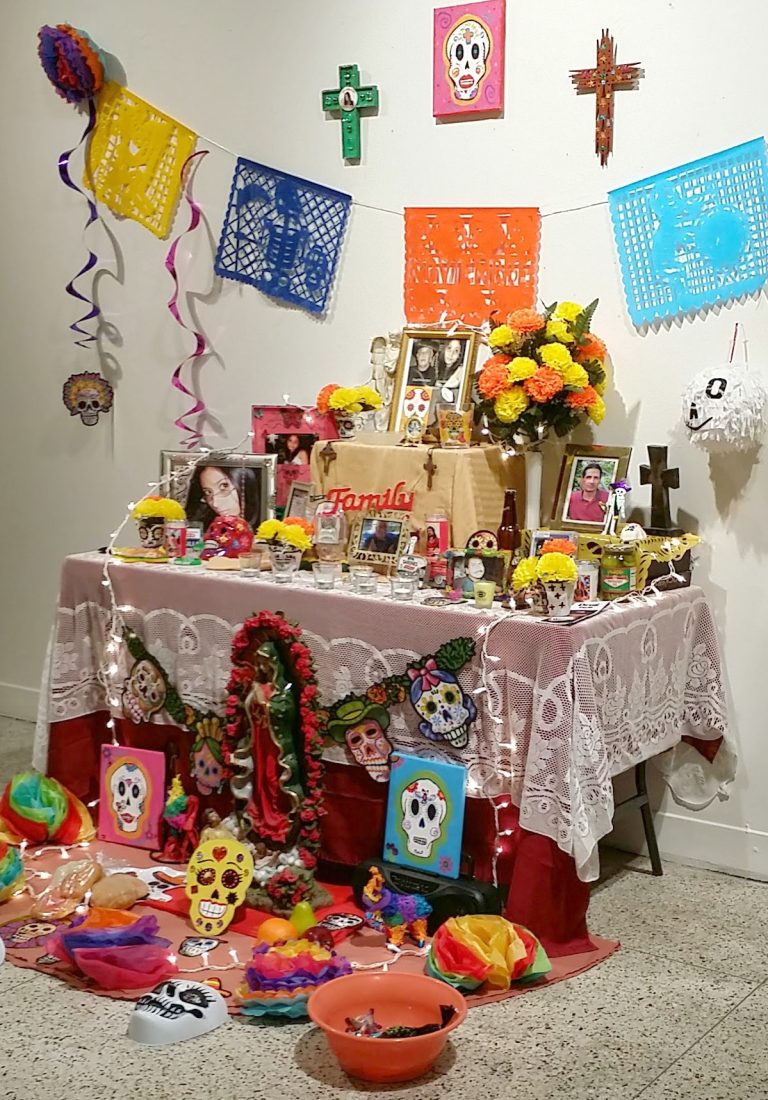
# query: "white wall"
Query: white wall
248,73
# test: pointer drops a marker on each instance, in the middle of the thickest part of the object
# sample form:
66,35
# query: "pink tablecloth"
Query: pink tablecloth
562,709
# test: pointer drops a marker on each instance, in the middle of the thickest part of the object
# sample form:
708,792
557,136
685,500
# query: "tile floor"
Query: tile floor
680,1013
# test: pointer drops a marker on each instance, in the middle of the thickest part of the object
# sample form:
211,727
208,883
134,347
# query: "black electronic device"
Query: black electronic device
449,897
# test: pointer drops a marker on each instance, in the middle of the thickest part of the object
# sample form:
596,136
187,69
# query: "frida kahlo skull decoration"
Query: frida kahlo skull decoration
128,788
145,691
174,1011
438,698
424,809
467,48
218,876
362,725
87,395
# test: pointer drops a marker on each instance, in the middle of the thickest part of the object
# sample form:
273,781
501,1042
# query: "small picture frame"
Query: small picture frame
538,538
289,432
218,483
584,484
379,537
435,366
487,565
299,503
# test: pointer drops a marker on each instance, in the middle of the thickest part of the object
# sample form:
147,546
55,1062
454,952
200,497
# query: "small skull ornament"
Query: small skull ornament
424,809
174,1011
145,691
87,395
218,876
35,931
370,747
446,711
467,48
128,790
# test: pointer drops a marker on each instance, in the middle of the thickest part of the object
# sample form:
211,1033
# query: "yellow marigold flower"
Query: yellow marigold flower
569,311
270,529
511,405
501,336
600,387
296,536
158,506
344,399
368,397
575,377
525,574
521,368
556,357
596,412
558,330
557,567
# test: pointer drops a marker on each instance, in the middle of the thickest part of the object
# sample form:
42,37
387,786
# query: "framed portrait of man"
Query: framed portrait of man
436,362
584,485
379,537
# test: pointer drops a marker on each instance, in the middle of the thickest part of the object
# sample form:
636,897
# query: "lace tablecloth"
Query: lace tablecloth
561,709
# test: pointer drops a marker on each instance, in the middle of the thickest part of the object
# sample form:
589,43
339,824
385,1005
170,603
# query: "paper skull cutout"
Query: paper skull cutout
338,922
416,401
207,771
194,946
724,408
175,1011
467,48
87,395
370,747
445,709
424,809
218,876
128,793
144,692
32,933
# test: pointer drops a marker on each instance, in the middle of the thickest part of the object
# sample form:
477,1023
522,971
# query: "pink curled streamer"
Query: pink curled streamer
194,437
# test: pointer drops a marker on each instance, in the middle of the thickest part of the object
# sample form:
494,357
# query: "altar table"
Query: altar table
561,710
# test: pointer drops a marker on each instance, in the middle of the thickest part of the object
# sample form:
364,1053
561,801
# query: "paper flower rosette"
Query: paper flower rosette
280,978
11,872
72,63
474,951
37,808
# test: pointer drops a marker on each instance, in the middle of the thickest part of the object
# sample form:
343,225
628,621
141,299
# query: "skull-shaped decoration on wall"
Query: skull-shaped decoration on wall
467,48
362,725
438,698
128,788
724,408
174,1011
87,395
424,809
145,691
218,876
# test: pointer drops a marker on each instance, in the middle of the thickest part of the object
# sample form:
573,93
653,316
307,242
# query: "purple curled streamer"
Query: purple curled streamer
194,437
84,337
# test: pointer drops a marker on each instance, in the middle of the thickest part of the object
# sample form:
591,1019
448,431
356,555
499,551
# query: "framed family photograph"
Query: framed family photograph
435,367
220,484
584,485
380,537
289,432
299,501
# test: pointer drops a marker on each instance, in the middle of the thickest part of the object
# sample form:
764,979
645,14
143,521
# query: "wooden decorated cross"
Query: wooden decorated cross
603,81
661,479
350,99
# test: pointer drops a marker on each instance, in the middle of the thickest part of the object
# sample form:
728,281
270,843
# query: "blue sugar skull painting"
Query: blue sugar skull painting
425,814
282,234
693,236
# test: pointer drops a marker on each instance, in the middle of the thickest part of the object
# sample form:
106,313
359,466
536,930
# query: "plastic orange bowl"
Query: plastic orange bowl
411,1000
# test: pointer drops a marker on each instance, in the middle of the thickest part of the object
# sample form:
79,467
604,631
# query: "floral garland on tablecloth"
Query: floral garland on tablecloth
289,885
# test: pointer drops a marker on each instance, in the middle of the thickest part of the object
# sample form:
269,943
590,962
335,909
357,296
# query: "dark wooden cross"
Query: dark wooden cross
328,455
661,479
430,467
603,81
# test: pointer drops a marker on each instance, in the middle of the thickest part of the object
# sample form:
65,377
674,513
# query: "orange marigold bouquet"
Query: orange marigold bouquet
547,371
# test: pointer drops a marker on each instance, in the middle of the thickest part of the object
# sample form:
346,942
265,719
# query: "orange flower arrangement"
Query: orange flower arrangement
591,348
298,521
526,320
543,385
559,546
582,399
324,396
493,379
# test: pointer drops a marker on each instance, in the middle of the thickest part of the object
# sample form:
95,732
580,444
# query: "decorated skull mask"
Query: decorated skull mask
194,946
145,691
724,409
467,48
219,874
128,790
175,1011
87,395
446,711
424,809
207,771
370,747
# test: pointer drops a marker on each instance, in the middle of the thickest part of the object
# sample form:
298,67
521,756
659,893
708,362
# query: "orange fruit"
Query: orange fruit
275,930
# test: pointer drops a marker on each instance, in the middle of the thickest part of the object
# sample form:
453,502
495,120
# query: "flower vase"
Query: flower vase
349,424
151,530
559,596
533,465
285,562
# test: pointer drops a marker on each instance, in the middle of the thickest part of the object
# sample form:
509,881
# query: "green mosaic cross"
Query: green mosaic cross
349,98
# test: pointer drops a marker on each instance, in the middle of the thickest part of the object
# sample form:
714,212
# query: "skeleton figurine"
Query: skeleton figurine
174,1011
615,506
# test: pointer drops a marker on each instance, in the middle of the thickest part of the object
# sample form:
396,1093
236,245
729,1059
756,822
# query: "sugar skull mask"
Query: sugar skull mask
370,747
467,48
218,876
175,1011
724,409
128,792
424,809
87,395
438,698
207,770
145,691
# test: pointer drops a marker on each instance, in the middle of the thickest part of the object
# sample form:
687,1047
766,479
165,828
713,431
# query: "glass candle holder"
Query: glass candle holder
326,573
484,593
250,563
363,579
403,588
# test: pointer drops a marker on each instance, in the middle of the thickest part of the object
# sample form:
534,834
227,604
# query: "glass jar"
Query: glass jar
618,570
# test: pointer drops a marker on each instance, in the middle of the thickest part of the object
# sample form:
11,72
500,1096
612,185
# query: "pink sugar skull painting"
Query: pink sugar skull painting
468,68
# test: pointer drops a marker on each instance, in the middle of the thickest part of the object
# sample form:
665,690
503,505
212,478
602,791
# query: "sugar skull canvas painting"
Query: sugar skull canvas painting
425,814
131,796
468,65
